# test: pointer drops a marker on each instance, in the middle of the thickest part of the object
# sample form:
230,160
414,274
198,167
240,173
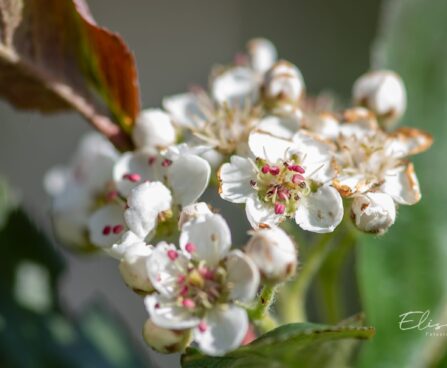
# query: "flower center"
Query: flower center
282,184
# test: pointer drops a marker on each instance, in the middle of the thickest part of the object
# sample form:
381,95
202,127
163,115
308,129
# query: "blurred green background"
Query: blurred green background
175,43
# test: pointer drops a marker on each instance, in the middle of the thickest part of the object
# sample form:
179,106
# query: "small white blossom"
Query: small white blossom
153,130
198,285
373,212
383,92
287,179
164,340
274,253
77,188
262,54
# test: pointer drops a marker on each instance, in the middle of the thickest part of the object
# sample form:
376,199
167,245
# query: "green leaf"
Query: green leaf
311,345
34,330
405,270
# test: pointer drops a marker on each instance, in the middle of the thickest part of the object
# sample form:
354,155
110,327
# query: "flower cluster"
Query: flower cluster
257,137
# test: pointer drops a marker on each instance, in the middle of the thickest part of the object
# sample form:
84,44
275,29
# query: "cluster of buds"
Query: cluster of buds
268,146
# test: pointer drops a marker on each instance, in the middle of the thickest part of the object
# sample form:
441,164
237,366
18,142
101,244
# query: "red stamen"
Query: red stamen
184,290
117,229
166,162
202,326
279,208
107,230
151,160
297,168
133,177
297,178
274,170
181,279
206,273
172,254
112,195
189,303
265,169
190,247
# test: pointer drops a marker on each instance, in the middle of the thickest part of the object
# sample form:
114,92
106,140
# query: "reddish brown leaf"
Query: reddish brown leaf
53,56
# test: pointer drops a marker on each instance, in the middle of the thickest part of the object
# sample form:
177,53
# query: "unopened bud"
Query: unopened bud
274,253
262,54
133,268
164,340
383,92
283,85
193,211
153,129
373,212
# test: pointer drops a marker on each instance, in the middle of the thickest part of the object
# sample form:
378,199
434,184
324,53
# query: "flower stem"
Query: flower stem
265,300
293,297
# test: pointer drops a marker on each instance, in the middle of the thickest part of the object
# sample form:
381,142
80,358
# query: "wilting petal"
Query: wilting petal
145,202
260,214
128,240
402,184
268,147
243,276
222,330
106,225
184,109
234,179
133,169
211,237
165,264
188,177
321,211
235,87
408,141
165,313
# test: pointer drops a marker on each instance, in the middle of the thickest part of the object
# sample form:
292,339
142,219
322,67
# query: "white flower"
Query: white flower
262,54
283,85
373,212
288,179
197,285
383,92
370,160
274,253
153,130
192,212
165,340
76,188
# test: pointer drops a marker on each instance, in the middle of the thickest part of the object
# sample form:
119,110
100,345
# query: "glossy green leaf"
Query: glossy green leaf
291,345
405,270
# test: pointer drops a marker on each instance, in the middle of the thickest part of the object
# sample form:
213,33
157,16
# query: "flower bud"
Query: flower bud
262,54
133,268
164,340
373,212
284,84
193,211
153,129
274,253
383,92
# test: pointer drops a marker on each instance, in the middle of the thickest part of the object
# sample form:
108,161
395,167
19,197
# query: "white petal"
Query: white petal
56,179
407,141
234,179
226,327
268,147
235,87
93,162
153,130
243,275
128,240
164,271
402,184
281,127
320,212
262,54
211,236
260,214
188,177
145,202
133,268
192,212
184,109
134,163
164,313
106,225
